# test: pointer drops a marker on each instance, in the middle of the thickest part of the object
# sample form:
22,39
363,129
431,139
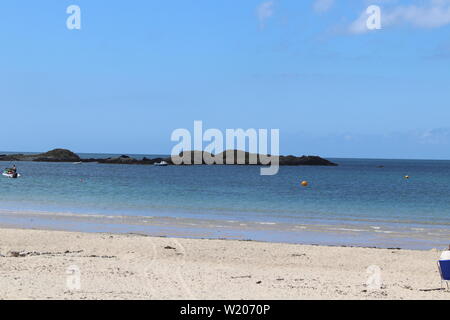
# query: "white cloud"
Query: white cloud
323,5
264,11
360,25
432,14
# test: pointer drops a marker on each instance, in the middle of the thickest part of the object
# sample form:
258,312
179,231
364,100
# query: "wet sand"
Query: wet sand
363,234
39,264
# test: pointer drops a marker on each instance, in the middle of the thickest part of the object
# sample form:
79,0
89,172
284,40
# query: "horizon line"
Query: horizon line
168,154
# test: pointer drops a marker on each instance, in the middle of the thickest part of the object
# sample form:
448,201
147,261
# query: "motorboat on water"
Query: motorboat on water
10,173
161,164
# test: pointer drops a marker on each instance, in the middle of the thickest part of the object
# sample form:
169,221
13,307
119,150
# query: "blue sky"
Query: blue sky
137,70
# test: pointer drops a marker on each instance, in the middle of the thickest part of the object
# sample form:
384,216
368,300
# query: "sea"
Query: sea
361,202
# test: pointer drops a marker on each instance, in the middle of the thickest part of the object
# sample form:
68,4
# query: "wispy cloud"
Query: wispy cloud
439,136
431,14
264,11
323,5
359,26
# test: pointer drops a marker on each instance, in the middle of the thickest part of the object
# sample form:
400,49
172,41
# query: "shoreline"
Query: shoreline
38,264
3,227
367,235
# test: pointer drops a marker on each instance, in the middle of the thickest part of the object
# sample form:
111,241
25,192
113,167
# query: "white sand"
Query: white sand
139,267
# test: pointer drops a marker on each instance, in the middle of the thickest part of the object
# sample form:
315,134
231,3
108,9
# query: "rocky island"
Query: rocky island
56,155
197,157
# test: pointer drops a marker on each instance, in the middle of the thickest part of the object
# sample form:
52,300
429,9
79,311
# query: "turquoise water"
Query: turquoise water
356,193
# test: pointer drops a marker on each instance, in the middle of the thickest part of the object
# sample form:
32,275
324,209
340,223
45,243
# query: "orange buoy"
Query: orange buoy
305,183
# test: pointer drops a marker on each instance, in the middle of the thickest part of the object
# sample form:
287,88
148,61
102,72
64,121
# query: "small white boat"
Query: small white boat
11,175
77,162
161,164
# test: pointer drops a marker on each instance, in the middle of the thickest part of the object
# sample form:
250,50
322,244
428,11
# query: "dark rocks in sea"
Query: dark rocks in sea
123,159
126,160
56,155
228,157
305,161
238,157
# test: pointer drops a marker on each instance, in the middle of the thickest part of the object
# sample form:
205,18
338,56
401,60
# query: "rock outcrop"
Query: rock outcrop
127,160
228,157
305,161
238,157
56,155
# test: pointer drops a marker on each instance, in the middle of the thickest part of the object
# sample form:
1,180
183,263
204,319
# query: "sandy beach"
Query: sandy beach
39,264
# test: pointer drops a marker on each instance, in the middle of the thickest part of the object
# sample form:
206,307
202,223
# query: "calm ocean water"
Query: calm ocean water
358,202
